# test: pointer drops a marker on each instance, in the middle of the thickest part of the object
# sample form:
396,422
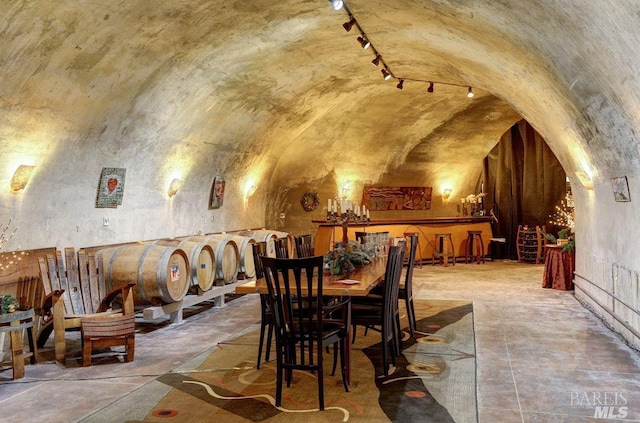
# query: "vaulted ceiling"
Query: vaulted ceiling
279,93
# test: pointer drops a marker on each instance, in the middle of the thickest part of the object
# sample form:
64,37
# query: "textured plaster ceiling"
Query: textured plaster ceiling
214,86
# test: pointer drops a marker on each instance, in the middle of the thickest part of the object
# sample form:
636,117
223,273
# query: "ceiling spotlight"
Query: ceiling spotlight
348,25
470,93
337,4
430,89
376,61
364,42
400,83
386,74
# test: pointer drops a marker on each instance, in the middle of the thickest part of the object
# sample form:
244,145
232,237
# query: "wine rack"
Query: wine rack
530,243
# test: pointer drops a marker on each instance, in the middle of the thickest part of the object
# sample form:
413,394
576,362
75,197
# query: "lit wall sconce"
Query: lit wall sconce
174,187
585,179
249,189
446,193
21,177
345,192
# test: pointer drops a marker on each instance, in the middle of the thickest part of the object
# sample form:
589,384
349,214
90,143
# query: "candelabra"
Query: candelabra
347,215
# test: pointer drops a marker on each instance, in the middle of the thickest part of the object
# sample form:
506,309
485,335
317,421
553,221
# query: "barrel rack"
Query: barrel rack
174,310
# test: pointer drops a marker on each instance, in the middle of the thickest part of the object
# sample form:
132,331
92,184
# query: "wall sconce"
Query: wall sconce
249,189
174,187
21,177
585,179
345,191
446,193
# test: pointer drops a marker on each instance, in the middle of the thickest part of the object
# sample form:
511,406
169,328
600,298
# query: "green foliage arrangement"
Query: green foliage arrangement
345,257
8,304
567,247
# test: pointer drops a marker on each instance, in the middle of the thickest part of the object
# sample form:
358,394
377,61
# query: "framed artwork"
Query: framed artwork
620,189
217,193
396,198
110,187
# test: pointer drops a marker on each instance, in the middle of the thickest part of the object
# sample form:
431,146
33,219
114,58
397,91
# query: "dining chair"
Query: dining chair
405,291
304,246
384,316
282,247
266,314
304,324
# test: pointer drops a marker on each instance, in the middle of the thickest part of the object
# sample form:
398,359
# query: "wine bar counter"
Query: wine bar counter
427,229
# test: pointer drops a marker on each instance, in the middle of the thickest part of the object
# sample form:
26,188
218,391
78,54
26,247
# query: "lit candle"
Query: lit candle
462,200
364,210
329,205
367,214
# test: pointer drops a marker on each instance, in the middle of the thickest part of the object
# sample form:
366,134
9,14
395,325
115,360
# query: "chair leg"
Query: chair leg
343,363
335,358
267,353
130,347
86,352
411,315
279,380
320,379
260,344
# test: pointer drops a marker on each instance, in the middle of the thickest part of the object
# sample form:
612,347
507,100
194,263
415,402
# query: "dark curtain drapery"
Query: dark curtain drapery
524,183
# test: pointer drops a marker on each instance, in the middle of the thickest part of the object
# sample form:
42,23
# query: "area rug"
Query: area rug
434,380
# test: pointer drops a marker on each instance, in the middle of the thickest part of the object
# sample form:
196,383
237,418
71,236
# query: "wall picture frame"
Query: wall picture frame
377,198
217,192
620,188
110,187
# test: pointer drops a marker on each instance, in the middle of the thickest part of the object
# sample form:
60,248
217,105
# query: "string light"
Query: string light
564,215
366,43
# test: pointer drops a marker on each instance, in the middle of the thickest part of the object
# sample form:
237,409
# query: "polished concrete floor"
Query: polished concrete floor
541,356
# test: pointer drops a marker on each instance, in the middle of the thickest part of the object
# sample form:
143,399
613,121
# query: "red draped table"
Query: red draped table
558,268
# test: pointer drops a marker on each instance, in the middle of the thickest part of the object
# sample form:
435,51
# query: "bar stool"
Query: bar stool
418,249
468,251
438,250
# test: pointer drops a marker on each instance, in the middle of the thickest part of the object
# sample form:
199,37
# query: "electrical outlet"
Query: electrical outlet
105,221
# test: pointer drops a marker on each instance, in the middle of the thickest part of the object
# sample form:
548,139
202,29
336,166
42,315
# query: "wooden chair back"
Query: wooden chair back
282,247
304,245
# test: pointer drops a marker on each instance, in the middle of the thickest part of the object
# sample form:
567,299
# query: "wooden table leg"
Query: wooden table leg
17,354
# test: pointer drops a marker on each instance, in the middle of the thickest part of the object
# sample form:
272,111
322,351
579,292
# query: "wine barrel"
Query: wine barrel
247,265
262,235
201,259
162,273
226,254
291,246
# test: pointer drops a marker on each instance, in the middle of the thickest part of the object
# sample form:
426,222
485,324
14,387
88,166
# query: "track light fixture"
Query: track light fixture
348,25
386,72
364,42
336,4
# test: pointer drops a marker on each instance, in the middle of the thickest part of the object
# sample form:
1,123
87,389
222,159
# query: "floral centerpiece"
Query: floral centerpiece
346,256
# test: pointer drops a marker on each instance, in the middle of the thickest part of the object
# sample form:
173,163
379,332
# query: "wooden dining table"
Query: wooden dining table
356,283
